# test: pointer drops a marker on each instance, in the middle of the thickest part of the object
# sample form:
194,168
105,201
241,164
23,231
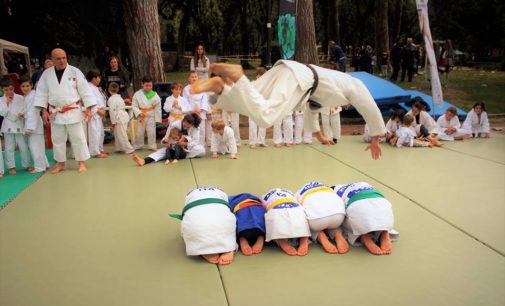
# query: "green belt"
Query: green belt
198,203
365,194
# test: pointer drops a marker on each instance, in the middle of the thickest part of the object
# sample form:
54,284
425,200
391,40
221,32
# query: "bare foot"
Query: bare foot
258,246
103,152
342,245
289,145
234,72
12,171
32,170
264,145
366,239
102,155
226,258
277,145
245,247
175,161
303,248
1,175
167,162
252,146
139,161
326,244
214,84
81,167
239,145
385,240
286,247
233,156
58,168
212,258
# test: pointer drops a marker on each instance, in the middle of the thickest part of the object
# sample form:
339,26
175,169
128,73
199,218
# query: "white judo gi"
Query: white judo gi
176,114
476,124
392,126
36,140
330,119
426,120
151,108
13,129
283,130
119,118
201,102
224,143
194,148
257,134
366,215
95,125
1,158
324,209
208,228
64,100
443,124
285,217
407,138
233,120
300,133
285,88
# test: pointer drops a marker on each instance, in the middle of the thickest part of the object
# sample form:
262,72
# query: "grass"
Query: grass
463,88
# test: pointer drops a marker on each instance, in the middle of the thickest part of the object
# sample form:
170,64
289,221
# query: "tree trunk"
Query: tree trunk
333,21
143,36
397,21
245,36
181,39
381,28
306,48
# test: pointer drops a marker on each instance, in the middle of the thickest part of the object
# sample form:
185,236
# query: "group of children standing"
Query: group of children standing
417,128
214,224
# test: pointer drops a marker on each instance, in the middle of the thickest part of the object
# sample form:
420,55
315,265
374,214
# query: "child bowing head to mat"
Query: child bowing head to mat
325,212
208,226
369,217
250,215
285,222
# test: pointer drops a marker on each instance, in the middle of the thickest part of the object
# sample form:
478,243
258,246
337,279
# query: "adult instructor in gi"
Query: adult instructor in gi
289,86
64,90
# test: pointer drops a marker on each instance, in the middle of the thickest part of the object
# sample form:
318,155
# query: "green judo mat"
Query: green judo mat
12,185
104,238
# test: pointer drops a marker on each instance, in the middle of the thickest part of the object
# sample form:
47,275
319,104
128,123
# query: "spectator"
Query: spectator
409,56
114,74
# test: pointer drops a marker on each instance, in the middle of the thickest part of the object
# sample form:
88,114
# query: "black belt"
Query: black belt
314,104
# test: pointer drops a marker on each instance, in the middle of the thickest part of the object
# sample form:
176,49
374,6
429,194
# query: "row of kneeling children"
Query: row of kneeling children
417,128
214,225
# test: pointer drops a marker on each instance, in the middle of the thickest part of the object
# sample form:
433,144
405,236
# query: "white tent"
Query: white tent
10,47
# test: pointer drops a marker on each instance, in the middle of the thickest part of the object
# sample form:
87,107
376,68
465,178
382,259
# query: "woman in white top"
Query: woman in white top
476,121
200,63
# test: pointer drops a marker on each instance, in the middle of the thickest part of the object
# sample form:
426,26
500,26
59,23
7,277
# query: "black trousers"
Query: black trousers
175,152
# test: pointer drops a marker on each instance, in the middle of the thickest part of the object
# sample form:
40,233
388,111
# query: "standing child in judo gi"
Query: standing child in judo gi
146,105
232,120
369,217
330,119
286,222
477,122
12,108
34,128
300,133
223,140
250,215
283,132
198,104
449,127
325,212
257,134
119,119
174,151
177,106
95,125
208,226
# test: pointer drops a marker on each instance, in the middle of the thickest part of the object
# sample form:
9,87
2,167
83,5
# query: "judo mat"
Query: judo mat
12,185
104,237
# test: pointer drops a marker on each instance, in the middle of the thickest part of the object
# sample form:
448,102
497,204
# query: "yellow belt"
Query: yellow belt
281,201
317,189
145,111
176,117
